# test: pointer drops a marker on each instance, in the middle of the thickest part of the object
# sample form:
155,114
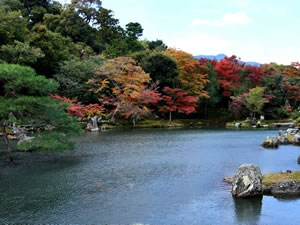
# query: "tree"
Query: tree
275,86
228,70
35,10
137,107
292,71
192,75
73,76
254,74
162,68
89,10
119,81
238,106
255,100
124,76
178,100
293,94
12,27
109,29
25,95
75,108
11,5
55,47
212,88
20,53
133,31
157,45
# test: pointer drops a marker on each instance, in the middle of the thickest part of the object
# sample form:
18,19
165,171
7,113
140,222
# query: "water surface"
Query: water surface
151,176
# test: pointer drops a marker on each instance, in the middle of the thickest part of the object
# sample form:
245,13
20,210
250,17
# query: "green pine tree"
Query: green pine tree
26,95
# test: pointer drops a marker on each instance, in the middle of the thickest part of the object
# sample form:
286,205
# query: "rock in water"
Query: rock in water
299,160
296,139
247,181
270,142
286,188
228,180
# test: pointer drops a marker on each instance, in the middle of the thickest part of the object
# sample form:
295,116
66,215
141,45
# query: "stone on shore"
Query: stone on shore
286,188
247,181
270,142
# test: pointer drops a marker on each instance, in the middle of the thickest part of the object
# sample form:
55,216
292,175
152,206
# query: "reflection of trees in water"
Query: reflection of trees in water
248,210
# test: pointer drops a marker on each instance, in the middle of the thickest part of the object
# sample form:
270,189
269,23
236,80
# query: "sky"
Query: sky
254,30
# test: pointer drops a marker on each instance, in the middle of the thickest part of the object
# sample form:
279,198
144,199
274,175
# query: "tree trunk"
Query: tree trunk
205,109
170,116
6,141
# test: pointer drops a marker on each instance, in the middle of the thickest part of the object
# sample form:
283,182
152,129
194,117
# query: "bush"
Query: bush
282,113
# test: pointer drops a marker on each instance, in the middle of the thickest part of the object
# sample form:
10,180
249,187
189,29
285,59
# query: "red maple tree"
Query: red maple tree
255,74
178,100
228,71
77,109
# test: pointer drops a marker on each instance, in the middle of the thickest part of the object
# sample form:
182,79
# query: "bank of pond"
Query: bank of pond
147,176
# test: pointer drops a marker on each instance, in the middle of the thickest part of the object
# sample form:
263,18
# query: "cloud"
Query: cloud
238,18
200,43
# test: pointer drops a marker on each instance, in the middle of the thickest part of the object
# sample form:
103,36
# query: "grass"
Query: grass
274,178
166,123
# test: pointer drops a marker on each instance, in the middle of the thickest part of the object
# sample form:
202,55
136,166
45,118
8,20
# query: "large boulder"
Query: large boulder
247,181
286,188
296,139
270,142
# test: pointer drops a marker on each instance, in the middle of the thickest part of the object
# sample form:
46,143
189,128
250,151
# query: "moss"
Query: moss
166,123
274,178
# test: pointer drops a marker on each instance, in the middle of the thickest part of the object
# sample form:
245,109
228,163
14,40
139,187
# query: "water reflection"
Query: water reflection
248,210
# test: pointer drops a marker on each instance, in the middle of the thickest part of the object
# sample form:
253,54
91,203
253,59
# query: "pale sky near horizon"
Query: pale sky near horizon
254,30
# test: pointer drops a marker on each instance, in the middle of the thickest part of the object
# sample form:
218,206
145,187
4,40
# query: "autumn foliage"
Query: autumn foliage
228,70
192,74
77,109
178,100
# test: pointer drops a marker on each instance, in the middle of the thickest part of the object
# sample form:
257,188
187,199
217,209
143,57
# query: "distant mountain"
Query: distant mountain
212,57
221,56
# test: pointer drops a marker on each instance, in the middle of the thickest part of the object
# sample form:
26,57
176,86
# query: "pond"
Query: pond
151,176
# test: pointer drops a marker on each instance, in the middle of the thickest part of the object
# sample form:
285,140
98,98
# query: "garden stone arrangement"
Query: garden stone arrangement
248,182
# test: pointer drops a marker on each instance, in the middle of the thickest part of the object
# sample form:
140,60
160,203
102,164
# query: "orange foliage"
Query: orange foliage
192,75
122,76
293,70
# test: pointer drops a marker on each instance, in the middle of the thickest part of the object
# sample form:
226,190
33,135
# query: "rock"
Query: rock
285,171
258,124
11,137
228,180
265,126
247,181
283,140
296,139
267,190
299,160
270,142
292,131
286,188
11,116
237,125
284,125
93,125
25,139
